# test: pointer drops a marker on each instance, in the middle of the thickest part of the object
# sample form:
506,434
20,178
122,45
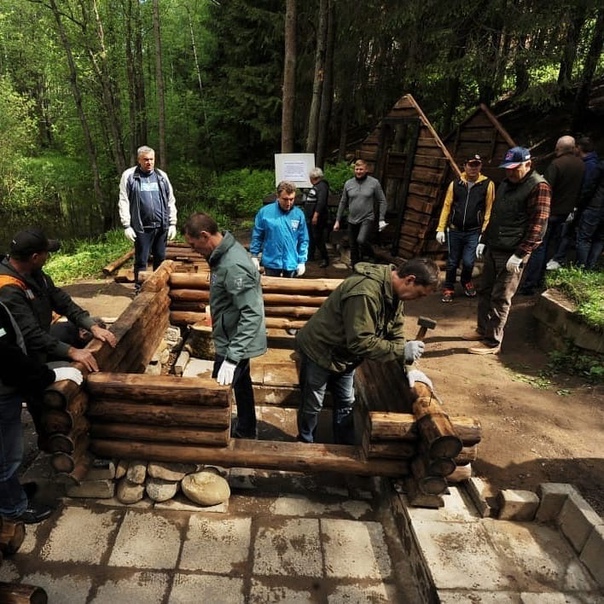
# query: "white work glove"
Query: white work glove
382,224
171,232
480,251
413,351
256,262
440,237
513,264
226,373
415,375
68,373
571,216
301,269
130,234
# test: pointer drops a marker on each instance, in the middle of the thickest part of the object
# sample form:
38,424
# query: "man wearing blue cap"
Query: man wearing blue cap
516,227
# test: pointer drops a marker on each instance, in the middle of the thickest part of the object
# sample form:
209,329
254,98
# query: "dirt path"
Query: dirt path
534,429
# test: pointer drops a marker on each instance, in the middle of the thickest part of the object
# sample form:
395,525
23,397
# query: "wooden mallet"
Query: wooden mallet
424,324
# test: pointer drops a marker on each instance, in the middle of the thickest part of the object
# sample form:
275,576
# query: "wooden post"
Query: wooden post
20,593
12,534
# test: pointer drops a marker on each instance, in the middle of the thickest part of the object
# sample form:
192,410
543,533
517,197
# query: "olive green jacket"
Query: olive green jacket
236,304
361,319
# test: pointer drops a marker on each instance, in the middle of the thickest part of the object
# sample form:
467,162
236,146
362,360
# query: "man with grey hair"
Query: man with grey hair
564,175
147,208
316,210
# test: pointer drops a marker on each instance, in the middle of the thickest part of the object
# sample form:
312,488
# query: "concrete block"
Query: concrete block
577,520
101,469
96,489
552,496
476,489
517,505
592,554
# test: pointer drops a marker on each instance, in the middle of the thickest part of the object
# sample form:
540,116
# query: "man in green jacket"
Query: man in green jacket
362,318
237,311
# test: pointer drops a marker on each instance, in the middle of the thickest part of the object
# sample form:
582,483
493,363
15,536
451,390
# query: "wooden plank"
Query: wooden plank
181,435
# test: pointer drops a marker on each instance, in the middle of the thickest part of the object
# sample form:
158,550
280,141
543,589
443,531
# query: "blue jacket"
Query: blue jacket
282,237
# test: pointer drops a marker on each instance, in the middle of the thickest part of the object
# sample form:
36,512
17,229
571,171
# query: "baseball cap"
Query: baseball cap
32,241
474,159
514,157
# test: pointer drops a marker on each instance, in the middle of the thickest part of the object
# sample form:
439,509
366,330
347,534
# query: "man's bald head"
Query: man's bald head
565,144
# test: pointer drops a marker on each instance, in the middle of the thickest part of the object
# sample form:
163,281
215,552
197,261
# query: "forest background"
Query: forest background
217,87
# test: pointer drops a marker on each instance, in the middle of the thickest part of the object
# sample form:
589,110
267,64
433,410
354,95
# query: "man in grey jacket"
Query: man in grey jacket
237,311
358,197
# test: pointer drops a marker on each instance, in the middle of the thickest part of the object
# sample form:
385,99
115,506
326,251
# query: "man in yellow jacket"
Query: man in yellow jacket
464,216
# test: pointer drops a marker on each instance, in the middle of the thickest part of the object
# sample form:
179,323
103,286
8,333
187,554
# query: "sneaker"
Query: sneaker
447,296
469,290
484,348
552,265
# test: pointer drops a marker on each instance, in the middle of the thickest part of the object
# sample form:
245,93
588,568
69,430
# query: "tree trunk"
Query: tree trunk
289,79
572,37
159,76
327,91
317,89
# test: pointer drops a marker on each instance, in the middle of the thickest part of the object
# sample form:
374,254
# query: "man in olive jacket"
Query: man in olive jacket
361,319
237,311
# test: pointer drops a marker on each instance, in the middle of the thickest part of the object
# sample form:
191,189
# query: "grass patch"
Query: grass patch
585,289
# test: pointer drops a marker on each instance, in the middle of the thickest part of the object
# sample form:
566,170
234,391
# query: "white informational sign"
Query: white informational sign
295,168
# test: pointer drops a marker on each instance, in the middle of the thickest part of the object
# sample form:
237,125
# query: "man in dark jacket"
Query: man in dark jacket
590,230
361,319
20,376
316,210
147,210
564,175
237,311
517,223
465,215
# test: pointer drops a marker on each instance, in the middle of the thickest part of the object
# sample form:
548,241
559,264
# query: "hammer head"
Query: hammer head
426,322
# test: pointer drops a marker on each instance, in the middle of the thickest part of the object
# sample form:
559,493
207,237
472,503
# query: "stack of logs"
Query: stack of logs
410,425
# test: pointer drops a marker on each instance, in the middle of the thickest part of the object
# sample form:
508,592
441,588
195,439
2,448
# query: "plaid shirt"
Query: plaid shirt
538,208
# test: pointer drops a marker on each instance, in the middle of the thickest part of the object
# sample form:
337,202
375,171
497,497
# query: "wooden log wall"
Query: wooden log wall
139,330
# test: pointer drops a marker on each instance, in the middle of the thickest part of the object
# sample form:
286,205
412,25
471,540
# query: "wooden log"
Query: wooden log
158,389
178,317
20,593
142,356
66,462
162,435
63,421
467,455
417,498
270,299
113,266
66,443
79,472
268,455
12,534
390,450
160,278
430,484
158,415
460,474
190,295
58,394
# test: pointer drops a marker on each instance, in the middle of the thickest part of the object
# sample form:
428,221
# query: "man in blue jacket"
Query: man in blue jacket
281,235
237,311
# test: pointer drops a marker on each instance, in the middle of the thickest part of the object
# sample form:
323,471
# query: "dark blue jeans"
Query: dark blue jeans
462,247
152,241
314,381
590,237
244,396
13,500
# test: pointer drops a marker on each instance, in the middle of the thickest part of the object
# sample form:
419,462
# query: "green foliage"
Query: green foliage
337,174
585,289
576,361
80,259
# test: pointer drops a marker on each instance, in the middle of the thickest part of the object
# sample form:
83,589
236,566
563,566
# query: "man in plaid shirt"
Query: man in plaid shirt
517,225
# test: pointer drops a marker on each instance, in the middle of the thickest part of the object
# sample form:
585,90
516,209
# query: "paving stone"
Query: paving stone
447,596
101,469
198,368
63,589
261,593
593,554
92,489
577,519
362,594
288,547
9,572
146,541
300,505
182,504
520,547
552,496
228,540
519,505
70,542
188,589
476,489
146,587
355,549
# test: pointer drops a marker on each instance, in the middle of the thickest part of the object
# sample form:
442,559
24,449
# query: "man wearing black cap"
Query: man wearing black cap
518,221
465,215
31,296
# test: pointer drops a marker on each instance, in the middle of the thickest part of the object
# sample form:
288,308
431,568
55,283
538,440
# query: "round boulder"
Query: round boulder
205,488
